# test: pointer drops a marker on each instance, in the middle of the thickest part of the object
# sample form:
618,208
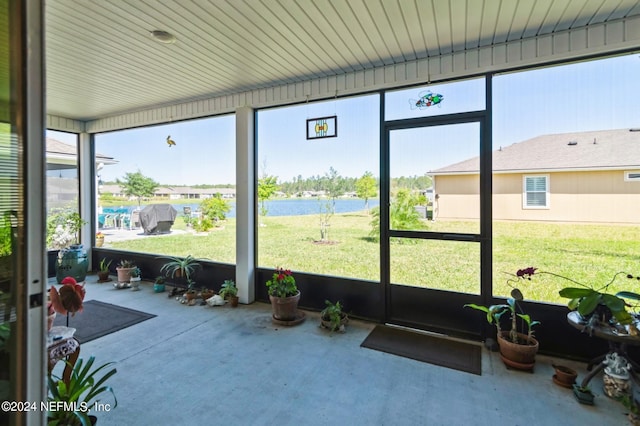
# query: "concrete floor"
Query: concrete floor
201,365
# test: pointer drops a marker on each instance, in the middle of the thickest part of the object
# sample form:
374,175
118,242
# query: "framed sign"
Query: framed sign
323,127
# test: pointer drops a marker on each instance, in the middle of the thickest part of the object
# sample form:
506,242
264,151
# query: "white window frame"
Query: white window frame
628,178
547,204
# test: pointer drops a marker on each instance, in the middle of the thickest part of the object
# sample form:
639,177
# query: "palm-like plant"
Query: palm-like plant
178,267
79,394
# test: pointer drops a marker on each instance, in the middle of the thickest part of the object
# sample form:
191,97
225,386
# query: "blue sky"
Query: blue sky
593,95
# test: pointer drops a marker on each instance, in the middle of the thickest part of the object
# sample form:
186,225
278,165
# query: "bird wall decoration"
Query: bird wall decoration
170,141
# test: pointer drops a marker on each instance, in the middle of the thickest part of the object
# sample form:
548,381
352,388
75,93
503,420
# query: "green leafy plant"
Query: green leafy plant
334,315
228,289
595,303
495,312
178,267
126,264
135,272
215,208
80,394
63,229
203,224
159,279
104,265
402,214
282,284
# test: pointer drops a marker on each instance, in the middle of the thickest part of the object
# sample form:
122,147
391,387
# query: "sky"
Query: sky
595,95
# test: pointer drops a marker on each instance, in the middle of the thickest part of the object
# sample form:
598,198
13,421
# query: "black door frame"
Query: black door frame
429,309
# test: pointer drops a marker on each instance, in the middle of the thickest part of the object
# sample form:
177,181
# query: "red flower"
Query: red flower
69,298
526,272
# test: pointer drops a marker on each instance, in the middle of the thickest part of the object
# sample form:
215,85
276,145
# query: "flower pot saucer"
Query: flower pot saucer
299,319
517,365
563,384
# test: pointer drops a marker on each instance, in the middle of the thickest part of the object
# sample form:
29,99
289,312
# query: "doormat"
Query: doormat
421,347
98,319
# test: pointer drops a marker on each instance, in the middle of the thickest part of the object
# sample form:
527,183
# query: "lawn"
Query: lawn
590,254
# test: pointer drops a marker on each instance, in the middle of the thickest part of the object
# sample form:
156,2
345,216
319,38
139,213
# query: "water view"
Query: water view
286,207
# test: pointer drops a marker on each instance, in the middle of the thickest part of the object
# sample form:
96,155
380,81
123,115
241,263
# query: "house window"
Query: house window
632,176
536,192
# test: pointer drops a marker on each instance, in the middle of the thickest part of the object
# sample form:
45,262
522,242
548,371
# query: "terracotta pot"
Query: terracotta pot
233,301
517,355
564,376
123,274
207,294
285,308
103,276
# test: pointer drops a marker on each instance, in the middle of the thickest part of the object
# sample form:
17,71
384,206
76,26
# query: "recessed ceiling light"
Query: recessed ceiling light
163,36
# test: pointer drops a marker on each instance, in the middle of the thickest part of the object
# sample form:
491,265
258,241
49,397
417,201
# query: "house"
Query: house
590,177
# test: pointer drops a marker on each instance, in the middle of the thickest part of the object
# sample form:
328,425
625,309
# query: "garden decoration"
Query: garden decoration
69,299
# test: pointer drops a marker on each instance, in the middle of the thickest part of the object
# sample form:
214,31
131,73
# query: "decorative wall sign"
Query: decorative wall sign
427,99
323,127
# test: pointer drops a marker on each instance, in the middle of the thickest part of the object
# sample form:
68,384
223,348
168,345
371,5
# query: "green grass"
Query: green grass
590,254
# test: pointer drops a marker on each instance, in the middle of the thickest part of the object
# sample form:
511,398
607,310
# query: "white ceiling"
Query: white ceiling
102,61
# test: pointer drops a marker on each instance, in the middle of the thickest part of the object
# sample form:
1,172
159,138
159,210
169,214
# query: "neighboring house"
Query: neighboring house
176,192
62,172
591,177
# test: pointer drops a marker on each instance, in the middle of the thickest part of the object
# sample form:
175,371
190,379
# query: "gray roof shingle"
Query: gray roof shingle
599,150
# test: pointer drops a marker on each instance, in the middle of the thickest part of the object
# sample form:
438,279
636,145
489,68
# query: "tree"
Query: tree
215,208
267,186
139,186
366,187
402,214
331,183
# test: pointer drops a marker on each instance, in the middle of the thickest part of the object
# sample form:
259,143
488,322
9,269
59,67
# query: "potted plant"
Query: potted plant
73,400
583,394
230,291
123,270
517,348
597,305
103,271
158,285
135,278
99,239
63,231
206,293
284,295
564,376
333,318
178,267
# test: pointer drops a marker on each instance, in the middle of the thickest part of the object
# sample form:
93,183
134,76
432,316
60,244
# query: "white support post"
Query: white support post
245,209
85,178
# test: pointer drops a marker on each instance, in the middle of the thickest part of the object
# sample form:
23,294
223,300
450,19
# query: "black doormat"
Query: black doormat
98,319
421,347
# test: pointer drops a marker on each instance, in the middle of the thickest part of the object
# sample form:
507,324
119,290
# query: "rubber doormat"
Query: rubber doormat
421,347
98,319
